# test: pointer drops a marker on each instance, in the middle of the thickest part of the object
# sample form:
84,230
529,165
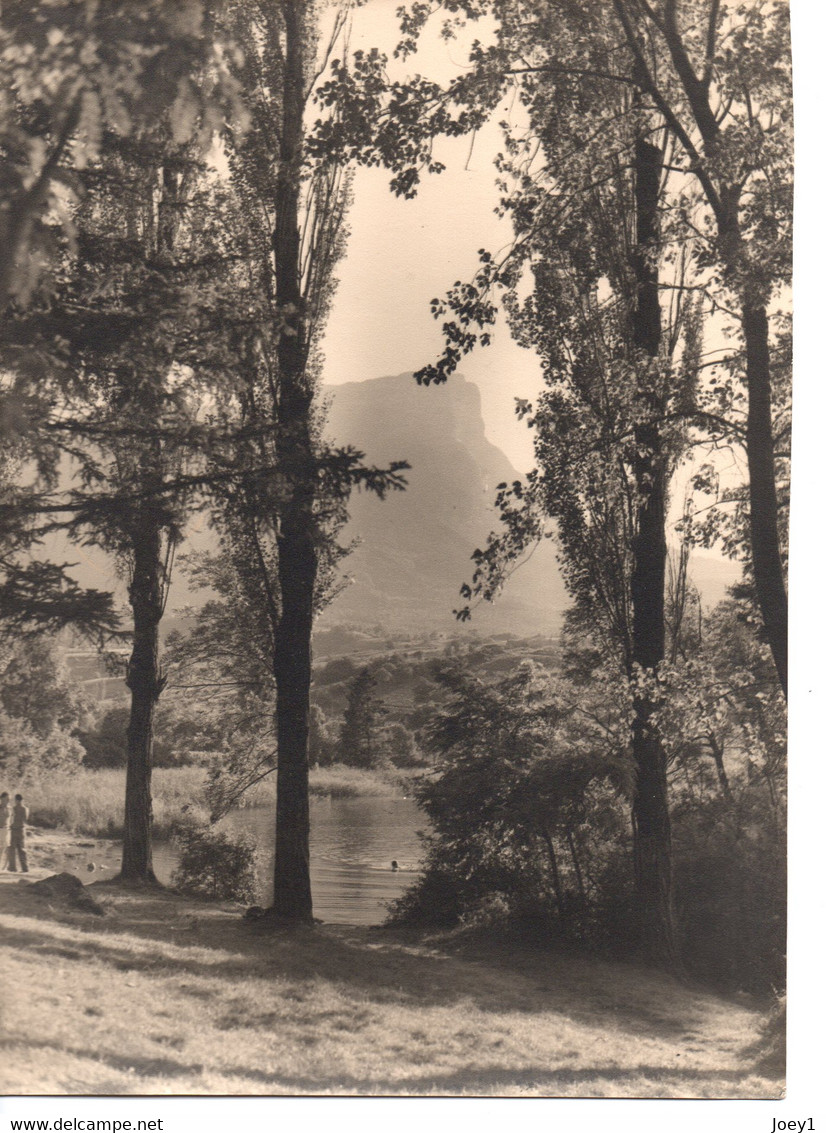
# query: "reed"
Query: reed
91,802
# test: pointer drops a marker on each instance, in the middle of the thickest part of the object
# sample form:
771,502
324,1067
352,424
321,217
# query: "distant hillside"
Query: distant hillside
415,546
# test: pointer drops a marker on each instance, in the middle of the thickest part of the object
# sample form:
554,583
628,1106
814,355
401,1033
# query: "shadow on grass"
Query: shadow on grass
138,1064
384,967
541,1080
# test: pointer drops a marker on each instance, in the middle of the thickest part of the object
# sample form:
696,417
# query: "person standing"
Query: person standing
5,819
17,839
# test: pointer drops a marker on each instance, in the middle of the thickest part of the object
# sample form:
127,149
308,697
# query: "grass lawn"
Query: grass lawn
166,995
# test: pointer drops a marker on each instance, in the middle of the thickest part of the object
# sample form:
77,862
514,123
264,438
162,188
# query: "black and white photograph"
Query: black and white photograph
395,492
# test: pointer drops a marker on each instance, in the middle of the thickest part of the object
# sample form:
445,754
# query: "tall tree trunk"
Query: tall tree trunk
769,582
297,552
650,814
146,596
297,565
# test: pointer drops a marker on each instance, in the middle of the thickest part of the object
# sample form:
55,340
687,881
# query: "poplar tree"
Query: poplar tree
280,521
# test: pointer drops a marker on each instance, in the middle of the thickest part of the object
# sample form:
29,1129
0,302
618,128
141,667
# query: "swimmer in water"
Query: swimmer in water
394,865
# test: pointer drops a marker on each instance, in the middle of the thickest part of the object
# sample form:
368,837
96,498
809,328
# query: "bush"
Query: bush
435,900
216,865
730,880
529,830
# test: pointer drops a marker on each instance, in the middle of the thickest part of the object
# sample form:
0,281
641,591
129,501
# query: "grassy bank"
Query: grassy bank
90,803
166,995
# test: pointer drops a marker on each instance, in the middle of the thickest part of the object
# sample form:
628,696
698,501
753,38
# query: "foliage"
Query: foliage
378,121
24,753
528,800
105,743
36,596
400,747
358,745
34,686
710,87
321,744
71,73
724,721
76,79
39,710
216,865
526,804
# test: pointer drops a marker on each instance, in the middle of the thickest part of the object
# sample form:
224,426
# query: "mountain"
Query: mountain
414,547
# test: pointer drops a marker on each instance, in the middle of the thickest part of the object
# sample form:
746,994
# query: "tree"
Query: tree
34,688
727,100
605,456
137,312
105,743
358,742
36,596
293,495
525,801
70,72
39,711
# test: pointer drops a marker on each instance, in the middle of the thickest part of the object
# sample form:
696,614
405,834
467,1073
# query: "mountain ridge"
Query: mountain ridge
416,546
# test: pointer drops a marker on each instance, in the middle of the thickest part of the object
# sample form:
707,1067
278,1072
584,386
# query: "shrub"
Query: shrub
529,826
730,875
216,865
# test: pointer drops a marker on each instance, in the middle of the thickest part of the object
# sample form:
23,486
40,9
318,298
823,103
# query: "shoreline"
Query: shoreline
47,847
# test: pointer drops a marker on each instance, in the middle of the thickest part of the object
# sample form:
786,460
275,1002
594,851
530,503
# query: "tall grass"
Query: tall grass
342,782
91,802
337,782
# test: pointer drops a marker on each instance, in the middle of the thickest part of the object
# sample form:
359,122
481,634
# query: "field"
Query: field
165,995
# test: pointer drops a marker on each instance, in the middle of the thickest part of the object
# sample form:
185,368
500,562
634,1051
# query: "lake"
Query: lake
352,845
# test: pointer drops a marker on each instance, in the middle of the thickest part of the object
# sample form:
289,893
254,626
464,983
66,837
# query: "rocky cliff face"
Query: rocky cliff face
414,547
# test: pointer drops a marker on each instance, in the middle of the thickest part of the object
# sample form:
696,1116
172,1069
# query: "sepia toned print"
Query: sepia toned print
394,507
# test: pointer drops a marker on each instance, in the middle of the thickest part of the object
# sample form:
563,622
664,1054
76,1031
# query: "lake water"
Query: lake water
352,845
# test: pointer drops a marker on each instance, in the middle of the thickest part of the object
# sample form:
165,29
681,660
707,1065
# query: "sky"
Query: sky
403,253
